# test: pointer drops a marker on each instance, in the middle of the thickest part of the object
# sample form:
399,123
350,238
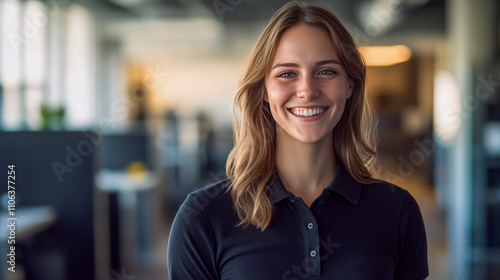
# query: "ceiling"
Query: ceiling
420,16
420,24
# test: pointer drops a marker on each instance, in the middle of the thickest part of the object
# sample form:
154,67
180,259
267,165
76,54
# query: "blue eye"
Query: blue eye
286,75
327,72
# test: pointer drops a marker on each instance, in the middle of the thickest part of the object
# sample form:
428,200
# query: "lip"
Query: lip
308,119
307,107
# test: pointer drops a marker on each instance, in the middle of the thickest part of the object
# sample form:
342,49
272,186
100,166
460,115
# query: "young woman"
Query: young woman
300,201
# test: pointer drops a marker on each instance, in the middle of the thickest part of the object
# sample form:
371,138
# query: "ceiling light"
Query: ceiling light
385,55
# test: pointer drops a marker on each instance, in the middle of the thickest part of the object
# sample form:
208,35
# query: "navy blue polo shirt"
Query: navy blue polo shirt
352,231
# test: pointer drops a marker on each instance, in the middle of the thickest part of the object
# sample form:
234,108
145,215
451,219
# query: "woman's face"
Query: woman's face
307,86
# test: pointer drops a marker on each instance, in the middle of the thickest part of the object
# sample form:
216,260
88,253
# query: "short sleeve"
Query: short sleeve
191,245
413,244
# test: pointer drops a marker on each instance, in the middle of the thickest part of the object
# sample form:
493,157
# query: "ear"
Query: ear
350,88
266,98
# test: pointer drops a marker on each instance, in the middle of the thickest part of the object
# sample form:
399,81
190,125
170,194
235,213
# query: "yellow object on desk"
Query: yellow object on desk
136,171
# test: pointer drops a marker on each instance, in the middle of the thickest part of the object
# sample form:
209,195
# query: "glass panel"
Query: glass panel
12,43
10,50
80,69
34,97
11,114
35,28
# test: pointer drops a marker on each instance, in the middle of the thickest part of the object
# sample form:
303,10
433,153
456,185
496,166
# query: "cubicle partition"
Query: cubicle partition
54,204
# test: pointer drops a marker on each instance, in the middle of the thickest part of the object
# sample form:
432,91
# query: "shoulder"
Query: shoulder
385,188
192,245
209,193
209,201
388,194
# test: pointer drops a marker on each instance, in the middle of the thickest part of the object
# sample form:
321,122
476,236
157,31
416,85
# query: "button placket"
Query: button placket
311,237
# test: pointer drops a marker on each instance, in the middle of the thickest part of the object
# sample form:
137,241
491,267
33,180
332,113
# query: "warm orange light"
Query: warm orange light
385,55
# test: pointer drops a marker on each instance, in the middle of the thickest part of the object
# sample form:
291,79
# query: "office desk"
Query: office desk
30,220
127,187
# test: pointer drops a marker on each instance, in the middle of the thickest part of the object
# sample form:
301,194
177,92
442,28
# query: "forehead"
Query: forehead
305,42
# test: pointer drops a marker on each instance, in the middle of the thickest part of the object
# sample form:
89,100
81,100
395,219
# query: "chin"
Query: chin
308,135
309,138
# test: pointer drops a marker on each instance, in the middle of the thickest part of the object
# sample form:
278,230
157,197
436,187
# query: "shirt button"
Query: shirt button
310,225
321,202
313,253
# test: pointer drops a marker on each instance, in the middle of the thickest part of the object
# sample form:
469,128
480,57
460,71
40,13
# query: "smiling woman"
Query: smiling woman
300,201
307,96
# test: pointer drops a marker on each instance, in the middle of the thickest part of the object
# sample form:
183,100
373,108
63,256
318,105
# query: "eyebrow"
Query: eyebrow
323,62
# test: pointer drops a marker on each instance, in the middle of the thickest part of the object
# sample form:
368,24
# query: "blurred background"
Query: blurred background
112,111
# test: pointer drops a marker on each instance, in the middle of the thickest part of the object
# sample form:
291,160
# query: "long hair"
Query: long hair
251,163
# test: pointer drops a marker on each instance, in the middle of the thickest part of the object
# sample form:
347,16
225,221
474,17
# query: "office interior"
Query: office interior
112,111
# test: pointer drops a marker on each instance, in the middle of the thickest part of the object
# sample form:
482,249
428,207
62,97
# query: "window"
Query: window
47,56
10,59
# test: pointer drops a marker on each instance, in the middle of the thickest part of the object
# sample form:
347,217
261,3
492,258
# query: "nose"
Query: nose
306,88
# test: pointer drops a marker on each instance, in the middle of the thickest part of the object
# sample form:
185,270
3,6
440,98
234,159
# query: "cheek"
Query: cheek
336,91
278,94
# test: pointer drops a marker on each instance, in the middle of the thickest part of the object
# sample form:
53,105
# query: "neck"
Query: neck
305,168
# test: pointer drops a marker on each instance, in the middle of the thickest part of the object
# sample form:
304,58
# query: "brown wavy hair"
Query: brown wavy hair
251,163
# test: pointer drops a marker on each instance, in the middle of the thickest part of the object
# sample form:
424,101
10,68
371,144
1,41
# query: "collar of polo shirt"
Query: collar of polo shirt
342,184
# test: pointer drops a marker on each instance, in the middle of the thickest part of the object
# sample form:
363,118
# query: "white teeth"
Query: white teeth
307,113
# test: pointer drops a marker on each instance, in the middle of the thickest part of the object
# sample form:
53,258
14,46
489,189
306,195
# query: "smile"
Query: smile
307,112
